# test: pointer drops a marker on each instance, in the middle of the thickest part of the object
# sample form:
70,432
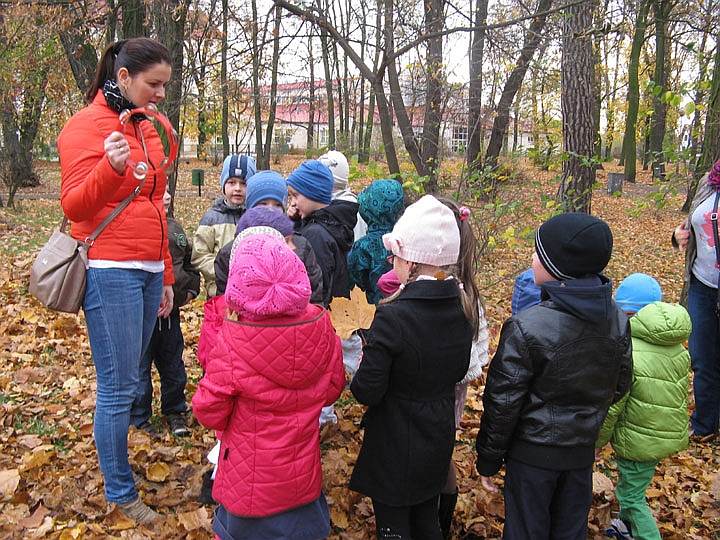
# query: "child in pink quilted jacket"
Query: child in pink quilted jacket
276,362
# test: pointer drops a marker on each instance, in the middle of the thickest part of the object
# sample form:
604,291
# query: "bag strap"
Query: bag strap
90,240
716,236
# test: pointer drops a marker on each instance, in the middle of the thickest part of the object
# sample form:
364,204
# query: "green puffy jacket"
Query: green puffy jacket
651,421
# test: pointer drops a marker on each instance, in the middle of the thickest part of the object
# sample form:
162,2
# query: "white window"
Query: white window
458,143
323,137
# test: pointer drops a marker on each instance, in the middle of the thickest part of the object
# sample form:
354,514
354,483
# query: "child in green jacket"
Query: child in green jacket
651,422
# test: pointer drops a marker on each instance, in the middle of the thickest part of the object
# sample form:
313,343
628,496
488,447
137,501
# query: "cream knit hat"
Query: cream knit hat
426,233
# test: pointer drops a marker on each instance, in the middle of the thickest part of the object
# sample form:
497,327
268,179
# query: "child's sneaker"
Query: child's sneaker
618,529
178,426
149,428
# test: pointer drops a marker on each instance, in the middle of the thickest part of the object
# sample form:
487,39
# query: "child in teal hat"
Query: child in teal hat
381,205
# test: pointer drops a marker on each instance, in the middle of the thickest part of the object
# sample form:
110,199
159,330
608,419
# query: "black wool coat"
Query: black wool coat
417,349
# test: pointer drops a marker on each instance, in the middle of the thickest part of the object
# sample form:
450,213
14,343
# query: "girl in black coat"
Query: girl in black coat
417,349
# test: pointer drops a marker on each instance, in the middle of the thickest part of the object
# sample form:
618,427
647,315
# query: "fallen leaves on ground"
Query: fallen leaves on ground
50,483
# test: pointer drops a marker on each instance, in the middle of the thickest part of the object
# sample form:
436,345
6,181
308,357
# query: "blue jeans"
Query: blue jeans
166,351
120,309
705,354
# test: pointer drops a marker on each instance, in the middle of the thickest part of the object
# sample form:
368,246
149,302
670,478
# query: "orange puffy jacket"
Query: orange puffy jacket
91,189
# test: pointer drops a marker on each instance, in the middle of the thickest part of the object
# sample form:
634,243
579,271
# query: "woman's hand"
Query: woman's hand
487,484
682,235
117,150
166,302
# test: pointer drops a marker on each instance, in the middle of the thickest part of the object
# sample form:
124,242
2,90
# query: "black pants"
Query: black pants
543,504
166,352
419,522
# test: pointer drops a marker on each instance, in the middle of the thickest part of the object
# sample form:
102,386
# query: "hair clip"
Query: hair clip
464,212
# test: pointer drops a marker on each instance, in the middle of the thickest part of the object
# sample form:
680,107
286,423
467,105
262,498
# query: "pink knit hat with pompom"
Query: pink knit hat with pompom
266,280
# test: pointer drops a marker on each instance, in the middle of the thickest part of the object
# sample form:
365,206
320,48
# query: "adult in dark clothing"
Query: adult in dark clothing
417,350
167,343
327,225
559,366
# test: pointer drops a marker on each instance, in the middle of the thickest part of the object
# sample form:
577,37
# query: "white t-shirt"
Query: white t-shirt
705,265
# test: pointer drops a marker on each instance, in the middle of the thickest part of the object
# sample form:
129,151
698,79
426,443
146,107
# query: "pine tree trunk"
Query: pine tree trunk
633,95
577,103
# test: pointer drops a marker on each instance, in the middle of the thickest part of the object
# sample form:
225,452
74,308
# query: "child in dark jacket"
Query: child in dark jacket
558,368
417,350
262,213
651,422
167,343
276,362
328,226
381,204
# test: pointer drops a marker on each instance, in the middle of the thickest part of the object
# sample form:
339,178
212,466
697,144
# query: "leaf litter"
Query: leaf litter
50,483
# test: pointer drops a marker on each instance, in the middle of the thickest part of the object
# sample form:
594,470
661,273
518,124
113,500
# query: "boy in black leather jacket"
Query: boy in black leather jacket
558,368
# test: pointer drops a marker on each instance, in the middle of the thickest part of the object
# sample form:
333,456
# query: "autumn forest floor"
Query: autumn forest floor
50,484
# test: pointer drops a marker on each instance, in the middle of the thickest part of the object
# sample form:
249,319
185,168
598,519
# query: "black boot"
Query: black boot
205,496
446,509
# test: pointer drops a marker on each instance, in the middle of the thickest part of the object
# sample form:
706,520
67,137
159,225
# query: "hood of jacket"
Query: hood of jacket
588,299
339,218
660,323
222,206
381,205
285,358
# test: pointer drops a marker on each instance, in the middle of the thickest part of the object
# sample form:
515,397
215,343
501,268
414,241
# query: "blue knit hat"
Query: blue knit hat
313,180
265,216
637,291
235,166
266,185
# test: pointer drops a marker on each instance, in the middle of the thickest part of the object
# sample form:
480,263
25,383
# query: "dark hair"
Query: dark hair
134,54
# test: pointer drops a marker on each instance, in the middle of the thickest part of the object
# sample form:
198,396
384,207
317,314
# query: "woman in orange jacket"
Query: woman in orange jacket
130,274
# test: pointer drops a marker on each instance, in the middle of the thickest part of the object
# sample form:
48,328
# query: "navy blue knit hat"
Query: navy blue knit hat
574,245
313,180
242,167
265,216
266,185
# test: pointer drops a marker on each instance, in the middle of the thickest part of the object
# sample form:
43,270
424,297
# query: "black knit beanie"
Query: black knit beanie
574,245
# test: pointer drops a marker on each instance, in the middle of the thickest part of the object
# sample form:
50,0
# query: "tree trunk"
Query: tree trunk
612,93
133,18
475,127
711,139
223,81
311,104
434,78
361,104
80,53
661,9
516,115
386,127
257,98
513,83
273,89
364,153
633,95
396,96
695,125
110,22
171,30
330,100
577,103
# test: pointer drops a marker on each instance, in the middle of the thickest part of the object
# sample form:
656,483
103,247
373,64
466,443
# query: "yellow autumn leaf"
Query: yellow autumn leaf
348,315
157,472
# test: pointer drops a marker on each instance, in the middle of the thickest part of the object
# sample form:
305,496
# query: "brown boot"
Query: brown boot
139,512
